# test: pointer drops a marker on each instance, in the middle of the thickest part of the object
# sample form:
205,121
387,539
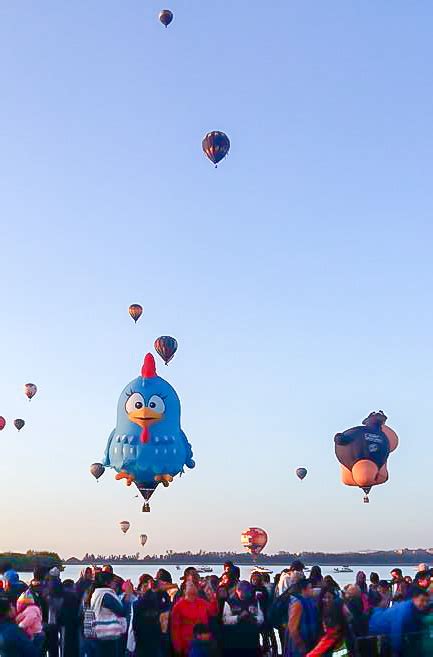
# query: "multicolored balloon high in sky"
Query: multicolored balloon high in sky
215,146
166,347
166,17
135,311
30,390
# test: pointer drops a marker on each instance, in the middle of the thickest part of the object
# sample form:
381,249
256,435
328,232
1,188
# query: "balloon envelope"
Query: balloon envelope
2,422
124,526
30,390
97,470
166,17
215,146
135,310
254,539
301,473
166,347
143,539
19,424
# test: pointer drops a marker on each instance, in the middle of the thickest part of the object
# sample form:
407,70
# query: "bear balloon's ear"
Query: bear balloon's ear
148,371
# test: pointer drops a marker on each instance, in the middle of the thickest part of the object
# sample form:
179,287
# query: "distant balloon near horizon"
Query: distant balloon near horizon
166,347
216,146
301,473
2,423
97,470
135,311
18,423
254,540
166,17
30,390
143,539
124,526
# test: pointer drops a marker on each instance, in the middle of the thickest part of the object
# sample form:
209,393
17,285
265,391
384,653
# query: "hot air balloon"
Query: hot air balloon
166,347
2,423
216,145
97,470
148,447
135,310
301,473
254,540
30,390
166,16
124,526
363,452
19,424
143,539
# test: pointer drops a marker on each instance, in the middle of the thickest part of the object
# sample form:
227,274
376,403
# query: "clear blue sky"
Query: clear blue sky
297,277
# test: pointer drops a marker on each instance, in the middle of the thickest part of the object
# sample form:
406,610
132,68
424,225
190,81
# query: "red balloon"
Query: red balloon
254,539
2,422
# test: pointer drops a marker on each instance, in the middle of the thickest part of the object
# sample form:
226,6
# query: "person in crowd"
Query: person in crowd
167,591
374,597
422,579
69,620
13,587
13,640
227,586
384,591
303,627
316,578
297,567
164,583
334,624
84,582
109,616
145,632
189,611
399,587
402,623
242,620
29,617
330,583
354,603
203,643
53,595
361,583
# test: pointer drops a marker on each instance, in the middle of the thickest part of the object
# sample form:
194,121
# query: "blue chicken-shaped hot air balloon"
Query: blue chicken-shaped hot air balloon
148,446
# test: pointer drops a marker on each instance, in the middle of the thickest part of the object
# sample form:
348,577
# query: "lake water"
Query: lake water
133,572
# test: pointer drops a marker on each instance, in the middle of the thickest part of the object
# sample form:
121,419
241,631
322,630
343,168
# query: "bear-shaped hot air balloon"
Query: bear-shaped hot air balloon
148,446
363,452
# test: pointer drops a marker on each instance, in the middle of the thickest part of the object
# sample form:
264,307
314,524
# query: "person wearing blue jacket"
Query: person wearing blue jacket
401,622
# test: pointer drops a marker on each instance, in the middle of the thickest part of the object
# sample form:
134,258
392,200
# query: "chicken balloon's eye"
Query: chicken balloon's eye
156,404
134,402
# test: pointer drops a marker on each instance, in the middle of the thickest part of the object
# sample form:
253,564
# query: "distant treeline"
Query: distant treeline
25,563
391,557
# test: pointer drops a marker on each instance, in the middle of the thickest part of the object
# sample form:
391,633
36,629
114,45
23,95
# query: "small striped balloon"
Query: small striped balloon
215,146
166,347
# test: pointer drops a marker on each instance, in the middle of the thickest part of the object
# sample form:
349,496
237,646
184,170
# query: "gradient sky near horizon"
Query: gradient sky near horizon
297,277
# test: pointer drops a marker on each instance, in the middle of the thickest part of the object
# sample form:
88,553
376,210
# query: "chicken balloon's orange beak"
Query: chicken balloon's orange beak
144,417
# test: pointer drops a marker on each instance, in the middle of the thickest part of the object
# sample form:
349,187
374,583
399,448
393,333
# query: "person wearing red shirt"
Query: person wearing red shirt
191,610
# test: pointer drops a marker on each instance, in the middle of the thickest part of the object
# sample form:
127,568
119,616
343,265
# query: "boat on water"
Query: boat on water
177,567
205,569
262,569
343,569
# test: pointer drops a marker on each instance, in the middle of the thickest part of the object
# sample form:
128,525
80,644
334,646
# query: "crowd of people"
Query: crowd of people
102,615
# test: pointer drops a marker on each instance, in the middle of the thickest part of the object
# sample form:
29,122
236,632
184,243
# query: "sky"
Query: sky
296,277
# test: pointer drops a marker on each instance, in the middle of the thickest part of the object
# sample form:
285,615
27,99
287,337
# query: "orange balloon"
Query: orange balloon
364,473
